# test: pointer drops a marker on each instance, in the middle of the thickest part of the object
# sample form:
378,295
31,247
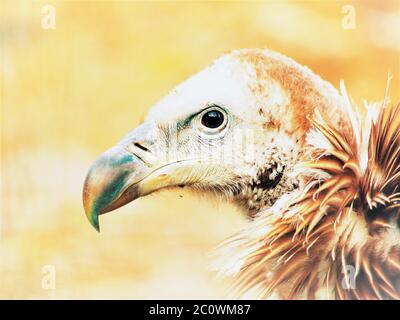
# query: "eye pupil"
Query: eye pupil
212,119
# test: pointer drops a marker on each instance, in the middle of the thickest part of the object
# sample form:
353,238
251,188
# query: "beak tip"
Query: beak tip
94,221
97,228
91,214
93,218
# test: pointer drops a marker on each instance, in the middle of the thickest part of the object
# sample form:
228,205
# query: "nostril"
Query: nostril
140,146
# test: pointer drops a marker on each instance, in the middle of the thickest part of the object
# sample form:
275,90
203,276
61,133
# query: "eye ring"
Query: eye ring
213,119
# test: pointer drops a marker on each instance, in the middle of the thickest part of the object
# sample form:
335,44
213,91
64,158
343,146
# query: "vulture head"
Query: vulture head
318,178
235,129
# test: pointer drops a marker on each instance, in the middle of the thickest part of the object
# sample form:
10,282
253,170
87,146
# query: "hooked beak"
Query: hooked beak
111,183
136,167
113,179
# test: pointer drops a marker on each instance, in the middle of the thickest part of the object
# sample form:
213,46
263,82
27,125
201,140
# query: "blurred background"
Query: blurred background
71,92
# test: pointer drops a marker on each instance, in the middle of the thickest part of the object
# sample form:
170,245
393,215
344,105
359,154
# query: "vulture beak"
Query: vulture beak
135,167
114,178
111,182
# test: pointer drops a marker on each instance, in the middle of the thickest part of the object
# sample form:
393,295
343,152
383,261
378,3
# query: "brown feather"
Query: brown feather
348,221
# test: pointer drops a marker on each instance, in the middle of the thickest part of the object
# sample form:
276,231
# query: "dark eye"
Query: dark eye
212,119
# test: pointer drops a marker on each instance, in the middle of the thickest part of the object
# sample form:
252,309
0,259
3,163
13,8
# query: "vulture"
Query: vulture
317,176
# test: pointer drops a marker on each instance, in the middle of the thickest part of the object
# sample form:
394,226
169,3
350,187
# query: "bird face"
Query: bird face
231,129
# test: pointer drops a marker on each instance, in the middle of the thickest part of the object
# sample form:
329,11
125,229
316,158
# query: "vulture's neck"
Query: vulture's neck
286,124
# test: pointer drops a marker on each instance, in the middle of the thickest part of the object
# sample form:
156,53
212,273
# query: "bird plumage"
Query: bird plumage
338,237
317,178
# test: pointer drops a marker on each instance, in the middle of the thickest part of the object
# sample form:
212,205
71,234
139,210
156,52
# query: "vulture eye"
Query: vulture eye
213,118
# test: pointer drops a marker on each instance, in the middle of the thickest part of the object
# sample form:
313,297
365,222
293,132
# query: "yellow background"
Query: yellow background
70,93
